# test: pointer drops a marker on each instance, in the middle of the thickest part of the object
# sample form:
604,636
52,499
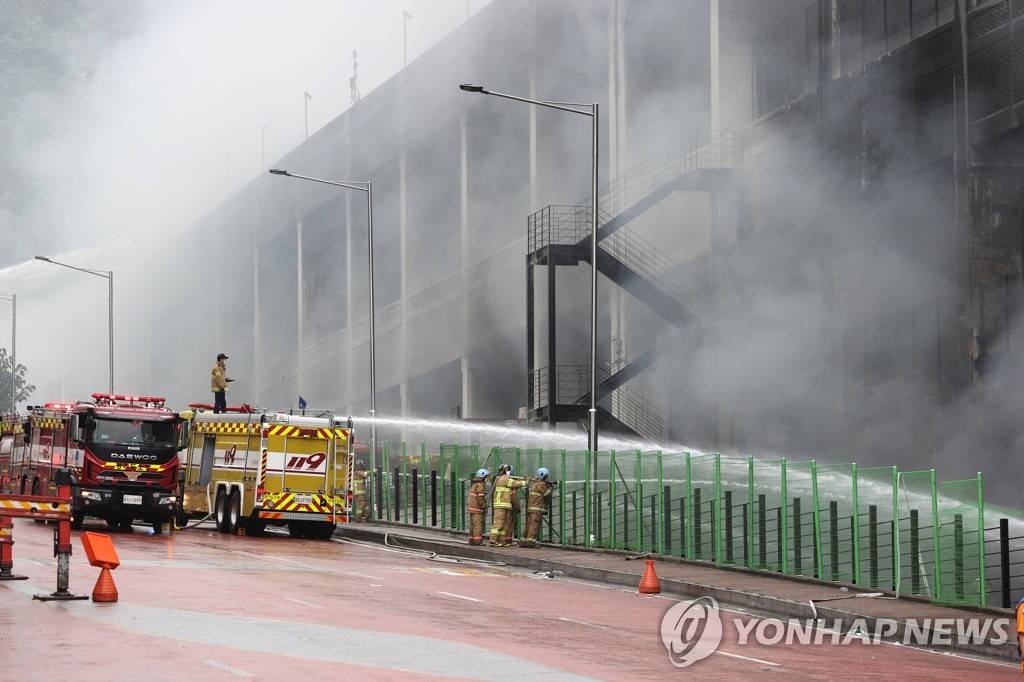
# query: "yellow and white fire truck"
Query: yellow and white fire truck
252,468
12,450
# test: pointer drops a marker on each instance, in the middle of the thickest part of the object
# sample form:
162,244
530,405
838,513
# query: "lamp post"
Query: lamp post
13,298
109,276
368,188
581,109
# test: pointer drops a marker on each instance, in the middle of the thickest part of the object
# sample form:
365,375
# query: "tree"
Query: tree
24,390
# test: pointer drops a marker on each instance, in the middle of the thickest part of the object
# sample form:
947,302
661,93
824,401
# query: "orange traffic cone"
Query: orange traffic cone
649,583
105,589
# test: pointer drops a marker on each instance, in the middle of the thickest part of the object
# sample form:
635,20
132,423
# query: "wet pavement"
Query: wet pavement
906,620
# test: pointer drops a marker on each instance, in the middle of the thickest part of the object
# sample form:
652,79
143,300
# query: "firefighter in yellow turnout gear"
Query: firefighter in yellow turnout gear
504,488
537,502
478,506
360,510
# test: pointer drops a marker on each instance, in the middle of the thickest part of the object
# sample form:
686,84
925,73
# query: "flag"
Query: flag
406,15
309,96
302,403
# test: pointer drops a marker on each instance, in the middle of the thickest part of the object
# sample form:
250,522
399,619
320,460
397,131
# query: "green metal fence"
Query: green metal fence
877,527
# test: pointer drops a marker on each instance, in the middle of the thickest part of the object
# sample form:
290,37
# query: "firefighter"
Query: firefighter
504,487
512,520
219,384
360,510
478,506
537,502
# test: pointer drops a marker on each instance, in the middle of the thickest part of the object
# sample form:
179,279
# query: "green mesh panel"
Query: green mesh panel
648,498
704,486
768,537
961,554
801,512
735,510
676,495
837,521
915,499
573,496
875,490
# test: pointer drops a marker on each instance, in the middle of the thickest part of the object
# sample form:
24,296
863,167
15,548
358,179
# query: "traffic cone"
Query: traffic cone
105,589
649,583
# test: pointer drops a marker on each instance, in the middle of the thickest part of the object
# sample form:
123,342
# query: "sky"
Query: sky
211,92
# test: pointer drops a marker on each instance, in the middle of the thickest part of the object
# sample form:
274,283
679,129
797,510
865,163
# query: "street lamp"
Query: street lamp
368,188
13,298
593,114
109,276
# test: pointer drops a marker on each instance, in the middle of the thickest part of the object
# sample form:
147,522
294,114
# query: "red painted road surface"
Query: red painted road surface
200,605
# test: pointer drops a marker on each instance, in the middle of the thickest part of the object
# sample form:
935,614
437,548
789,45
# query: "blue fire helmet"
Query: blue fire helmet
483,473
542,473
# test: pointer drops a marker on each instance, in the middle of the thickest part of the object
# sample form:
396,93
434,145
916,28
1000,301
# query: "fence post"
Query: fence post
748,548
797,539
666,519
958,556
574,512
873,545
1004,561
654,525
415,497
380,493
433,497
396,485
762,532
915,565
727,501
454,504
682,526
833,533
780,535
698,531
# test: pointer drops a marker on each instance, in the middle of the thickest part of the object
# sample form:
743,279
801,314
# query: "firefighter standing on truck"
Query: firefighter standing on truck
537,501
219,385
477,506
504,487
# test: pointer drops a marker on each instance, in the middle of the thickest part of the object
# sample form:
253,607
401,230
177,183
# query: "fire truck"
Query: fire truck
12,450
251,468
121,451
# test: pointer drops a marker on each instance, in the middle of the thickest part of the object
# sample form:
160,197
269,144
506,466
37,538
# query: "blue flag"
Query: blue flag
302,403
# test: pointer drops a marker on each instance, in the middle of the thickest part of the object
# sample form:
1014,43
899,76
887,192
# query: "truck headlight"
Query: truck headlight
89,495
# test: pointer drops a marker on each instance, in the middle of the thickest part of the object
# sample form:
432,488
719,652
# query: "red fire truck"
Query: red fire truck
121,450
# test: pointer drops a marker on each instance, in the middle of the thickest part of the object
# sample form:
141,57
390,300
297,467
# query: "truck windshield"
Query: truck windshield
134,432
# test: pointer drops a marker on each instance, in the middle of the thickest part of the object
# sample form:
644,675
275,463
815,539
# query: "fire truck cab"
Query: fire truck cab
251,468
121,451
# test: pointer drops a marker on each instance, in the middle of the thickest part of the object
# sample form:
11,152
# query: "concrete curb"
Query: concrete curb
776,606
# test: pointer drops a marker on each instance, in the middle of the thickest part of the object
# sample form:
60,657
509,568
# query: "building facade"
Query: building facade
810,233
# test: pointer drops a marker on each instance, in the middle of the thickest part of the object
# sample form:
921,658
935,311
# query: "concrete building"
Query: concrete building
810,238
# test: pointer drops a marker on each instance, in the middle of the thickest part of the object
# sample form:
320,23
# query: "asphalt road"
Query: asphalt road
200,605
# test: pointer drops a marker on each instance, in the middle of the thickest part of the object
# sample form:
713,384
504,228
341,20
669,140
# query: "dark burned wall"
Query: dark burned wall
852,193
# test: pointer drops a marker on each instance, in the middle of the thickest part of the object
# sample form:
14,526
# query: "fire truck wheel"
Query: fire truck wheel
323,531
158,527
220,511
297,529
234,512
254,525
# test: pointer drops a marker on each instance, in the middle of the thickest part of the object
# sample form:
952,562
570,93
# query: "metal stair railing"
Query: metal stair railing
626,405
701,150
